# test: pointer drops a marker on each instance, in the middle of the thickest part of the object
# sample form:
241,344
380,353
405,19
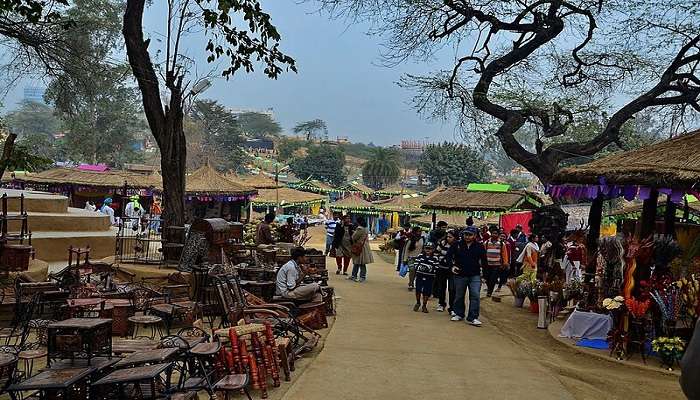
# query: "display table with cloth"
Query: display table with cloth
587,325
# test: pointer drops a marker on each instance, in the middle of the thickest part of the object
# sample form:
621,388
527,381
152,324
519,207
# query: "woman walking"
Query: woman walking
342,245
413,248
442,275
361,252
530,257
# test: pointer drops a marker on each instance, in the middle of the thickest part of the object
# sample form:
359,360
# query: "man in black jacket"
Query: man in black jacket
467,257
342,245
690,367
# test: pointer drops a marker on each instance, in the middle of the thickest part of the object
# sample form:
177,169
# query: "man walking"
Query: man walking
330,225
467,257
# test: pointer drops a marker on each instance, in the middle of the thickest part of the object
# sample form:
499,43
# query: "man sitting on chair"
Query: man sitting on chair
290,277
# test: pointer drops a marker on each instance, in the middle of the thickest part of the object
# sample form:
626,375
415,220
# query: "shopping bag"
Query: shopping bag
403,270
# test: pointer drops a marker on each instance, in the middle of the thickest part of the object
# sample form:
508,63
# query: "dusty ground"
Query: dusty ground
380,349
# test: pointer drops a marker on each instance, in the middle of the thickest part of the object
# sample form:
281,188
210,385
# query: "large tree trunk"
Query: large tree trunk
165,124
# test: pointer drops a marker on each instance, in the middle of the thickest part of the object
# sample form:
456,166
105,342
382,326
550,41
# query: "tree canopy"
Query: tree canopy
452,164
529,63
311,129
259,125
325,163
382,169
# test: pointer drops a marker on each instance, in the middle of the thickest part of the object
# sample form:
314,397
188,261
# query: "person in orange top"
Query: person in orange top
530,257
155,212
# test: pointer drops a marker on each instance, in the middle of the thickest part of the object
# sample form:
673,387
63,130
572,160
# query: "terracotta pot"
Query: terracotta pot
534,307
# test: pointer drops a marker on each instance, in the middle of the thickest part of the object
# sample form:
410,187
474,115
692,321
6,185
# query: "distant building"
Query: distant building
34,94
260,145
342,140
412,149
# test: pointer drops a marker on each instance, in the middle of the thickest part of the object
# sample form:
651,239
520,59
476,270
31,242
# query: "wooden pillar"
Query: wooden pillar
595,218
648,219
670,218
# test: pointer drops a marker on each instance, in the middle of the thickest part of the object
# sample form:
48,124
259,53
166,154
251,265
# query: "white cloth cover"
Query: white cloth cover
586,325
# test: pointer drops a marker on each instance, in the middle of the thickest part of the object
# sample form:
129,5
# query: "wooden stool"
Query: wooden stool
328,294
233,383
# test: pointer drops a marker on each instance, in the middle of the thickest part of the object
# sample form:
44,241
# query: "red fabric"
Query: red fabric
509,221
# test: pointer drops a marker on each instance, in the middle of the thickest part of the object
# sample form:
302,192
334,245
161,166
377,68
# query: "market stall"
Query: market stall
257,181
400,209
355,188
355,205
288,201
393,190
647,281
210,194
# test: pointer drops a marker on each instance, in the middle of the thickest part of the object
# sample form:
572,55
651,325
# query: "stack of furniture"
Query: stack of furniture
14,253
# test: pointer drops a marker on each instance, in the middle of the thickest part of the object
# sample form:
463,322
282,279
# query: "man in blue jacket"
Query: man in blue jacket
467,257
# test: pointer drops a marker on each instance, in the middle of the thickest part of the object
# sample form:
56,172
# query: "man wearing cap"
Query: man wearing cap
467,257
290,277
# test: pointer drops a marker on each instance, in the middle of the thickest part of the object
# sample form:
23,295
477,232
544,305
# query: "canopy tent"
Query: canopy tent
354,204
459,199
287,197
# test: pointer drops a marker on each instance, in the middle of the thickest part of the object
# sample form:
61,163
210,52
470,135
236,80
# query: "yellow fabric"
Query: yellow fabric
316,209
608,230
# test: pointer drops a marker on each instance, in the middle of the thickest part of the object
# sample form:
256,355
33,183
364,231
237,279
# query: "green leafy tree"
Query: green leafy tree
382,169
99,107
286,148
33,118
452,164
259,125
325,163
238,32
311,129
220,137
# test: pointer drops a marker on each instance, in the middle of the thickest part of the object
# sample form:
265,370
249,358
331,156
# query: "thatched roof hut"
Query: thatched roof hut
257,181
313,186
206,181
109,179
288,197
354,204
403,204
673,163
394,190
356,187
459,199
454,221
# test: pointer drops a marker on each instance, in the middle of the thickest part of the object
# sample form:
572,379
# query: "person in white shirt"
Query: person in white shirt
106,209
290,277
134,211
330,225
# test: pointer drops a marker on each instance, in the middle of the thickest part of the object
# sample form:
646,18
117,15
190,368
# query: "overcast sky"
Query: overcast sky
339,80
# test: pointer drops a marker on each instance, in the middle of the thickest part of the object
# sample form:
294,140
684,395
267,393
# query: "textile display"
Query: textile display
586,325
510,220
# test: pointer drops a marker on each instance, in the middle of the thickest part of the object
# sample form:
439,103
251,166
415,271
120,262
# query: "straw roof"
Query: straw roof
673,163
258,181
461,199
206,180
287,197
356,187
312,185
455,220
108,179
351,203
634,210
408,204
395,190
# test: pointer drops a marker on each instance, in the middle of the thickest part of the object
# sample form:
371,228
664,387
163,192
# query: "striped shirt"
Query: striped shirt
330,227
494,253
426,265
441,252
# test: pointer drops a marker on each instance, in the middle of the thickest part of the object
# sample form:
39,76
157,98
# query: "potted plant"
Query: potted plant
670,349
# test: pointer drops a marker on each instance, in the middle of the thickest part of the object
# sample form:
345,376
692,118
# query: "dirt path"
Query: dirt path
380,349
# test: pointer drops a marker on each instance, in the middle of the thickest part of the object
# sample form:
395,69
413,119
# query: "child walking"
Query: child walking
426,265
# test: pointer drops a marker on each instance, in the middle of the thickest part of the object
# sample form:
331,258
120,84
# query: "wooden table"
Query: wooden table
7,359
123,309
124,346
86,304
156,356
129,376
100,364
67,383
80,338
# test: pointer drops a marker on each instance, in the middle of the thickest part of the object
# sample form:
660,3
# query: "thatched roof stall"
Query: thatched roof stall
313,186
458,199
673,164
288,197
85,179
355,205
206,184
404,204
454,221
257,181
394,190
356,187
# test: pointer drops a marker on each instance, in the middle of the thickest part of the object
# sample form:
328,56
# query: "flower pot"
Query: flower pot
534,307
518,301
